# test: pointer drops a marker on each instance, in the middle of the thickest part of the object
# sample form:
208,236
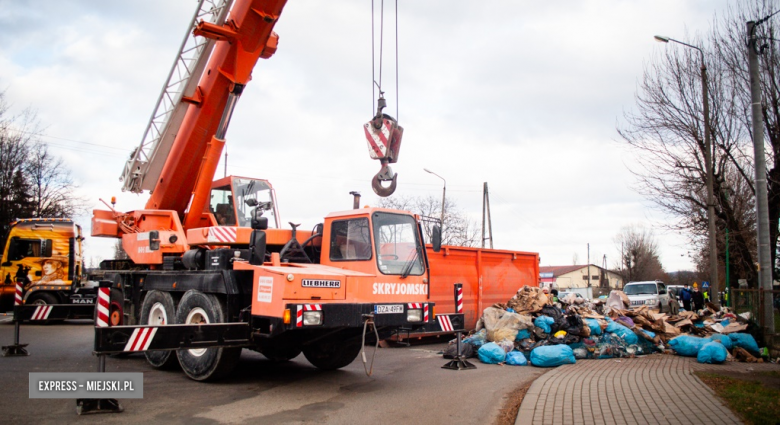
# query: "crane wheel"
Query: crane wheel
332,353
158,310
281,354
204,364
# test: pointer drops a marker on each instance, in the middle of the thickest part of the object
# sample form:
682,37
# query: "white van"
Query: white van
650,293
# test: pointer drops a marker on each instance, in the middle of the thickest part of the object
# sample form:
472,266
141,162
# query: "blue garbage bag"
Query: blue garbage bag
523,334
712,352
544,322
723,339
552,355
648,333
745,341
491,353
686,345
516,358
477,339
627,334
612,326
593,324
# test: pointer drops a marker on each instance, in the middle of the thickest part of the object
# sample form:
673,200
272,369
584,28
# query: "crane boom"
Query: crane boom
146,162
245,37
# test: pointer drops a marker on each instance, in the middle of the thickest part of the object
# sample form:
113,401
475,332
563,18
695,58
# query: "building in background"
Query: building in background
575,278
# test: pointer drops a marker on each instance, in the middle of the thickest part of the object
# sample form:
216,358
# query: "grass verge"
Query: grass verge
755,402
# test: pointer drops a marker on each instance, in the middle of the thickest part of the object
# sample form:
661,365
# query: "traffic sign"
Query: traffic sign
705,284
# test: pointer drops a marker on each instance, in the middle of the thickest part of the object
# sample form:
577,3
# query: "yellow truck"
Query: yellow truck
44,255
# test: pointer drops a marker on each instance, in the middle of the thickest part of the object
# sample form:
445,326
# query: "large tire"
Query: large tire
41,298
158,310
205,363
332,353
281,354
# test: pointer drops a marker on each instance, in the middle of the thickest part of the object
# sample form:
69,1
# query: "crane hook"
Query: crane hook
385,174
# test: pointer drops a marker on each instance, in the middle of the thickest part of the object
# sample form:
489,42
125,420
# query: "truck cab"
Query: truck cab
44,255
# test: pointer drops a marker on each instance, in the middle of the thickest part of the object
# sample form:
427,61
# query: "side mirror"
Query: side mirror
436,238
258,221
46,247
154,240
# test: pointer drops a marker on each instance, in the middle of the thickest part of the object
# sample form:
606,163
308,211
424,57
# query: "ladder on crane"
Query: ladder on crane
146,162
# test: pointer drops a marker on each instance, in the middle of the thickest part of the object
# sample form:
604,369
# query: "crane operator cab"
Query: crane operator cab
233,200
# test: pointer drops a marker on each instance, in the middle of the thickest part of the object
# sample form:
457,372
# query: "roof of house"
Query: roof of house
561,270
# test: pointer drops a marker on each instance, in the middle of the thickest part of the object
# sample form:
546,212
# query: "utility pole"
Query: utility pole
486,213
588,265
764,258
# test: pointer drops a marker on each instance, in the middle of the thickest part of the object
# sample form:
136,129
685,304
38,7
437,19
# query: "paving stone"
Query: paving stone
651,389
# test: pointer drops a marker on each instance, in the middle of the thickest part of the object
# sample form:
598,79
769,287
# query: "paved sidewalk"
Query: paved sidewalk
629,391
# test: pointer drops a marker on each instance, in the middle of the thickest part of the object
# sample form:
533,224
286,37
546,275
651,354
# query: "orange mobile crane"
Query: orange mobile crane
207,275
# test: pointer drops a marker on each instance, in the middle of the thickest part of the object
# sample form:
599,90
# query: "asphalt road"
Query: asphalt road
408,385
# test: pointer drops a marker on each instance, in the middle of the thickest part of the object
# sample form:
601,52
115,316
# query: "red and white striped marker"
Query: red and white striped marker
41,312
414,305
222,234
425,312
18,299
140,339
459,299
102,307
445,323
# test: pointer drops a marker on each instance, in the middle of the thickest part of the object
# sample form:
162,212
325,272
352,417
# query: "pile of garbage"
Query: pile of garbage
530,328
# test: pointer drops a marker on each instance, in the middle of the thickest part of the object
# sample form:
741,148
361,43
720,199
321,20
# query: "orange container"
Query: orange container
489,276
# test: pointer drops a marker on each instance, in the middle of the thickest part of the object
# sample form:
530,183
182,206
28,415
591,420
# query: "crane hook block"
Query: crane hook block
384,144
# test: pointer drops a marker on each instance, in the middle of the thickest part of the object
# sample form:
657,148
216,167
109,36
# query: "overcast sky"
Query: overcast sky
525,96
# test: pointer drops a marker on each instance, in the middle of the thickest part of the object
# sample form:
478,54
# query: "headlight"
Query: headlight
650,302
311,318
414,315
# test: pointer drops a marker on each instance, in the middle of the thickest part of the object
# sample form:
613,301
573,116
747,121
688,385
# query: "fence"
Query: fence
752,301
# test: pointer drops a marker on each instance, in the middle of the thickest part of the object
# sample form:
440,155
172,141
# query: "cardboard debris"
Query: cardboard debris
742,355
689,315
682,323
733,328
670,330
528,299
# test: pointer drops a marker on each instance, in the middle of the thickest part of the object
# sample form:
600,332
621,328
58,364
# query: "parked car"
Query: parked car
674,293
562,295
650,293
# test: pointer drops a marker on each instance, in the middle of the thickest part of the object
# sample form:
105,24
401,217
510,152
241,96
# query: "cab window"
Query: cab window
398,246
23,248
350,240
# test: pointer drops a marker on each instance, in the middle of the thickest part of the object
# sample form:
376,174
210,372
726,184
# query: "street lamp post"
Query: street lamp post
708,160
443,195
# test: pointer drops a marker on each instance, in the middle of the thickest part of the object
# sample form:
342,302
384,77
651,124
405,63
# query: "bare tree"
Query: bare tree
51,185
640,255
32,182
667,133
457,229
119,251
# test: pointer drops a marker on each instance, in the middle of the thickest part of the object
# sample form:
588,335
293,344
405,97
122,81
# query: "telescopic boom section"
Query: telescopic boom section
246,36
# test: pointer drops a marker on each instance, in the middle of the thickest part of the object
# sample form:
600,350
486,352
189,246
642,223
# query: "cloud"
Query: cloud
524,96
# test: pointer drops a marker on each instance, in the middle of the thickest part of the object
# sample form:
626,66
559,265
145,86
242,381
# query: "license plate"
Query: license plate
388,309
